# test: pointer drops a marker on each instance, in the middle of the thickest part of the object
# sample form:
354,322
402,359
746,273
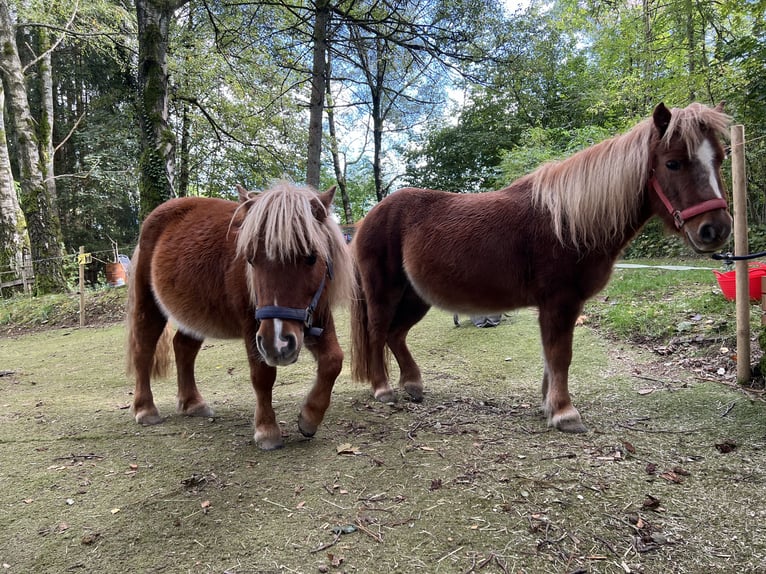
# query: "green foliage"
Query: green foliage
540,145
535,85
655,241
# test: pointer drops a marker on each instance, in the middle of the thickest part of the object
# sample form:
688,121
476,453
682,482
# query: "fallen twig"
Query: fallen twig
325,546
663,431
368,532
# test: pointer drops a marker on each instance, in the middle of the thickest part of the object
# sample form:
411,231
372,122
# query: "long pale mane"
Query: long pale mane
597,192
281,221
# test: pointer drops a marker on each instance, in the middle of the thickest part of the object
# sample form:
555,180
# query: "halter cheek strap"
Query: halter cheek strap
305,316
680,217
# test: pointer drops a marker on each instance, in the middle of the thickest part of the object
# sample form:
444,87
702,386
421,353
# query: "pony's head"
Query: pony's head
298,266
685,183
668,164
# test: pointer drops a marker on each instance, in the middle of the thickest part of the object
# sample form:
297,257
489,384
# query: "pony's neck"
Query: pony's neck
633,228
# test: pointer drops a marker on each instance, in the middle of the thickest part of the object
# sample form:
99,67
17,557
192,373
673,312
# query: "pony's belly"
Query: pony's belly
196,319
481,297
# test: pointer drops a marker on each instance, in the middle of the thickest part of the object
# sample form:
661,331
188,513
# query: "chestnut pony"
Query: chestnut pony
266,270
548,240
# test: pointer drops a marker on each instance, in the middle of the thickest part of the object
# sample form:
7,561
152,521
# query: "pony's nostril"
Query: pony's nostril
290,344
708,233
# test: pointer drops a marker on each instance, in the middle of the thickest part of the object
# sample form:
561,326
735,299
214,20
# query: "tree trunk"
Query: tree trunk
157,162
13,227
45,125
43,226
377,89
316,104
691,42
183,153
340,174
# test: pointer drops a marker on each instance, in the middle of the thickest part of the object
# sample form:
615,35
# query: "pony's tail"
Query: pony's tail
361,349
137,292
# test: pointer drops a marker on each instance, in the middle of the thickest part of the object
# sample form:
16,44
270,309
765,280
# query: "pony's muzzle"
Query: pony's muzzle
710,234
278,350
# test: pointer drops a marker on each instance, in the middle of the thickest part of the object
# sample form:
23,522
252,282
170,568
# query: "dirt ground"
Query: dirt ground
670,478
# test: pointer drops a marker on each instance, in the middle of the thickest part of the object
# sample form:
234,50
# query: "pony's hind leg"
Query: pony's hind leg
190,401
557,324
329,358
410,311
148,342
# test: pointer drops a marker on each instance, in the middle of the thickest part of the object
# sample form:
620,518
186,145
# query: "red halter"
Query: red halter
680,217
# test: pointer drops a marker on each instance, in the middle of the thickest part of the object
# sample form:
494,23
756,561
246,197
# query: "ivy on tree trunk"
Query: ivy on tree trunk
157,161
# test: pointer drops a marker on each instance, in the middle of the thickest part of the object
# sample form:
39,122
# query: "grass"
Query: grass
656,305
21,314
469,480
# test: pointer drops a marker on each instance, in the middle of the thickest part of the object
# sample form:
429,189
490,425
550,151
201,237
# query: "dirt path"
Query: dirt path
669,479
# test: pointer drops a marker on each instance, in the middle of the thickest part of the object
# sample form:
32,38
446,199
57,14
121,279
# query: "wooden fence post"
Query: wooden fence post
763,302
81,261
739,194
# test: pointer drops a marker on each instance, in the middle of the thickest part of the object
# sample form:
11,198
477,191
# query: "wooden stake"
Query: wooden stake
739,194
763,301
81,261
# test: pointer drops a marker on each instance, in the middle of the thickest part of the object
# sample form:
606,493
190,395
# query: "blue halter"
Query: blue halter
305,316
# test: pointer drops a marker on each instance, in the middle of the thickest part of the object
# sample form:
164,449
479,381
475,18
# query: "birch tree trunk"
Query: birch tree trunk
46,119
13,228
43,225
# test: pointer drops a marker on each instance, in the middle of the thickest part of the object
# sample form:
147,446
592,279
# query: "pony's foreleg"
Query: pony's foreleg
557,330
268,435
190,401
329,358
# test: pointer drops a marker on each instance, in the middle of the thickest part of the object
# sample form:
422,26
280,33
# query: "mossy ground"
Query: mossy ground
469,480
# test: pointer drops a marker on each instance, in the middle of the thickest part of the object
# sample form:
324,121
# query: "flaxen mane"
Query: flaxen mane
595,193
283,220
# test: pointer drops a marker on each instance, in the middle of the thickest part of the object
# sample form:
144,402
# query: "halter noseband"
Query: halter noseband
305,316
680,217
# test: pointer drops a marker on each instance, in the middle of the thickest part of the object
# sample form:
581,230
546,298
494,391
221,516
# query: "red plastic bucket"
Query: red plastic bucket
728,282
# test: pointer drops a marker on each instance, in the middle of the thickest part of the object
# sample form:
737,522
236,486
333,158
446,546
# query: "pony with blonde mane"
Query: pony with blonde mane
548,240
268,270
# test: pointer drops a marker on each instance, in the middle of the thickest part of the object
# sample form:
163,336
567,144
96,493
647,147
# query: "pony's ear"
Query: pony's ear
322,204
720,106
244,195
661,117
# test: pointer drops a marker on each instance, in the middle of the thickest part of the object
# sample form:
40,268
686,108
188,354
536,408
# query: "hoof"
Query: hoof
198,410
268,440
149,417
415,391
386,395
307,429
568,421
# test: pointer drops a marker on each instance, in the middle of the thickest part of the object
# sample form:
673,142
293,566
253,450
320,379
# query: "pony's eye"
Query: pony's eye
673,165
311,259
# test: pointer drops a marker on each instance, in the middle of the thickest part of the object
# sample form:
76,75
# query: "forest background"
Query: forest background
111,107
